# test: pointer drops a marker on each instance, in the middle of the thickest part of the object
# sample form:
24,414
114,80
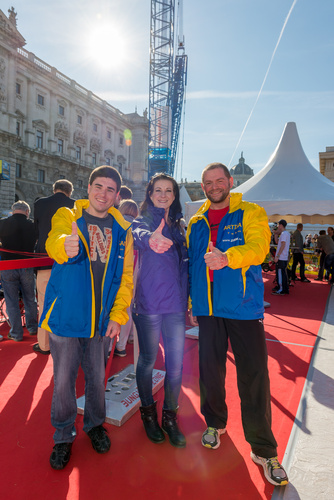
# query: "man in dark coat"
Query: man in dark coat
17,234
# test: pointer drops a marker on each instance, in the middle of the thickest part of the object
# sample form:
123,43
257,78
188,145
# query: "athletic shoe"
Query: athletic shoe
296,279
317,279
275,289
273,470
280,293
99,438
36,348
210,438
121,354
305,280
10,337
60,455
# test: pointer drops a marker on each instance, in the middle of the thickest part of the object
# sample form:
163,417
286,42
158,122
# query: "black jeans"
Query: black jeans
282,276
250,353
298,259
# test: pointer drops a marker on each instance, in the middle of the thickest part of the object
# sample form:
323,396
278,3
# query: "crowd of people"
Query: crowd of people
125,268
289,248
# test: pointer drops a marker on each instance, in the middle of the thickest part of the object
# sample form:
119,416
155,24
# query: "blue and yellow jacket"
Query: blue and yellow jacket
69,306
244,236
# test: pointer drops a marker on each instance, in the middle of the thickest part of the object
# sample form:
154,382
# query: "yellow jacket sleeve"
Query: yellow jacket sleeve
61,226
257,239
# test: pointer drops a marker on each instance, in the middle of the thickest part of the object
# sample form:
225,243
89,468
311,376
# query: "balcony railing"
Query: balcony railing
64,79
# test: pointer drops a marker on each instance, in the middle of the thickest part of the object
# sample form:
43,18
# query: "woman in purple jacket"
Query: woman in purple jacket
161,302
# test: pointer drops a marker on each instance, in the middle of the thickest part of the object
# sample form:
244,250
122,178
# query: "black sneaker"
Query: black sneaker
36,348
280,293
273,470
60,455
99,438
121,354
305,280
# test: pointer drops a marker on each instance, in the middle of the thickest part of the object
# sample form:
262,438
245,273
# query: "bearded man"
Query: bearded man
228,240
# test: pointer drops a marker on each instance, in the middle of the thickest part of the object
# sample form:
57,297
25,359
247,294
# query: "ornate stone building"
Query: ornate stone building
51,127
326,161
241,172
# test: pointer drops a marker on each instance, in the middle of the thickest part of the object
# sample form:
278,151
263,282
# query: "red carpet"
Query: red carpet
135,467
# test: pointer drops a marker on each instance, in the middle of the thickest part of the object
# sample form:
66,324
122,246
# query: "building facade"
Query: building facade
326,163
51,127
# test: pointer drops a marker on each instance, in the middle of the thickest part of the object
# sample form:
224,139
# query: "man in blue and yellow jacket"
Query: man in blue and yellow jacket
228,239
89,290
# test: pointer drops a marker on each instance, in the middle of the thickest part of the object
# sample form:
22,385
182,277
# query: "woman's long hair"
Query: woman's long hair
175,208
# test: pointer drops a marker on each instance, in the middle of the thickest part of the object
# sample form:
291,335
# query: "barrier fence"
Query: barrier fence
30,260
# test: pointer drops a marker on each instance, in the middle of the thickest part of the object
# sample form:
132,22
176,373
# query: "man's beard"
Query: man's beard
222,197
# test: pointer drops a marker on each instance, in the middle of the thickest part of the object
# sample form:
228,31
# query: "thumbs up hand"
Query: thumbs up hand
159,243
215,259
72,242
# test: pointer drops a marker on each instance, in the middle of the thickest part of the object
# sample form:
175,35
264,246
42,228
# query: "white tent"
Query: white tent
184,198
288,186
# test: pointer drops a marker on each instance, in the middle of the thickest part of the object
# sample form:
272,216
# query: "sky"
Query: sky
253,66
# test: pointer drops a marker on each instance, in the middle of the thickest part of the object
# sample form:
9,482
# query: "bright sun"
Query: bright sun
107,46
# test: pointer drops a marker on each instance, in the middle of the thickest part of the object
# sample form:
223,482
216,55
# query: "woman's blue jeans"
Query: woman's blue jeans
172,327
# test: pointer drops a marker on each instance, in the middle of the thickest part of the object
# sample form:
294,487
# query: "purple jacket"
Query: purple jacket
162,283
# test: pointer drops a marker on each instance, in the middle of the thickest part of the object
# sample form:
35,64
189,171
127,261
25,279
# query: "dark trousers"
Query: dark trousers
321,265
298,259
250,354
329,266
282,276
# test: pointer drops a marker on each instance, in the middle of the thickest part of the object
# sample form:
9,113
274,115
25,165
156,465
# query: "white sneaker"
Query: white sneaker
210,437
273,470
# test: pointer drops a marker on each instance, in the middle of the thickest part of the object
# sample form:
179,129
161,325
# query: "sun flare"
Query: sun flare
107,46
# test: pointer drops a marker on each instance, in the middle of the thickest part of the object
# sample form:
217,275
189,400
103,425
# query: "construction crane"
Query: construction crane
168,79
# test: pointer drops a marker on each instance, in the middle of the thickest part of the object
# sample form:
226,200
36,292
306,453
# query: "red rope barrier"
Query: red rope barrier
23,263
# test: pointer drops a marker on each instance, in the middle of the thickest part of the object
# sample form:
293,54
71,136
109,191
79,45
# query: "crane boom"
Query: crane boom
168,78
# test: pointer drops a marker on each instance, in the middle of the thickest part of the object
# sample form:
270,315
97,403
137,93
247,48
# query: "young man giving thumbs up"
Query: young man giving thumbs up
85,305
228,240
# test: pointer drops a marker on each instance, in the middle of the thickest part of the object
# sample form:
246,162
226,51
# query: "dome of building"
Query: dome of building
241,168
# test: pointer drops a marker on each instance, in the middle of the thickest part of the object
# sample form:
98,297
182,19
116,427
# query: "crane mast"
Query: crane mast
168,78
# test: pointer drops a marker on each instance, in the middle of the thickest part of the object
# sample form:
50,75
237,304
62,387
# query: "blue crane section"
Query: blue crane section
168,78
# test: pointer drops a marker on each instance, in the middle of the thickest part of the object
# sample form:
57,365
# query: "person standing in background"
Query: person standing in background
17,233
282,259
298,255
129,210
